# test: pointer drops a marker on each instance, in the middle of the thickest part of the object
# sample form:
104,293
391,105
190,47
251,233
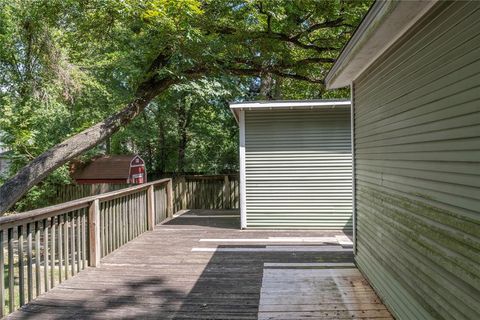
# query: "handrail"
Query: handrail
48,245
42,213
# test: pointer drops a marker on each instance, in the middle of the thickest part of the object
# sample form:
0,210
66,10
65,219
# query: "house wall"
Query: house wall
417,168
298,168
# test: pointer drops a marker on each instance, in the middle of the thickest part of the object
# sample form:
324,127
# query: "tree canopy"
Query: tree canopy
74,73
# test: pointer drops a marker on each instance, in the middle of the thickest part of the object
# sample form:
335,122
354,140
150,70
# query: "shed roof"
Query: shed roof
383,25
287,104
106,167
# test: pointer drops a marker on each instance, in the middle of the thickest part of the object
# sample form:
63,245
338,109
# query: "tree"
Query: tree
155,44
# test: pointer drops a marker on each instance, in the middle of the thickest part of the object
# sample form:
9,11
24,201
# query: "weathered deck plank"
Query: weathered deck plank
158,276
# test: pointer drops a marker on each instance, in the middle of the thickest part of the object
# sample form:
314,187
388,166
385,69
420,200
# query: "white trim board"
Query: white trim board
277,249
243,187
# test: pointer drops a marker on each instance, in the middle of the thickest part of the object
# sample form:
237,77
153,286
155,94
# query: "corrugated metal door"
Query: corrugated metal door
298,168
417,163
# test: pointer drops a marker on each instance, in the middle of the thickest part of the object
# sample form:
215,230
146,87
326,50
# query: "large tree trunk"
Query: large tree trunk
14,188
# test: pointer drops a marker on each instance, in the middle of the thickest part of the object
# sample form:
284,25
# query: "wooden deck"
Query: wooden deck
200,266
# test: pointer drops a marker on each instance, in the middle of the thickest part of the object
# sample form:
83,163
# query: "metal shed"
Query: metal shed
414,71
295,164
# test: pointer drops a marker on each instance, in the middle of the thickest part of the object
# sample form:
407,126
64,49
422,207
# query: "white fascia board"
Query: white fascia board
383,25
289,104
235,108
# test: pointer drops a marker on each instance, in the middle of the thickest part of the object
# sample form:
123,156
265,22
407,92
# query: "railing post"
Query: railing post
226,192
184,193
94,233
150,207
169,198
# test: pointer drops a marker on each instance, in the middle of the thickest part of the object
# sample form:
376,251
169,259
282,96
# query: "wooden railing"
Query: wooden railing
47,246
206,192
191,191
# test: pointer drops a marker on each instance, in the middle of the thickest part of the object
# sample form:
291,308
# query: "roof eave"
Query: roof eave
235,108
374,36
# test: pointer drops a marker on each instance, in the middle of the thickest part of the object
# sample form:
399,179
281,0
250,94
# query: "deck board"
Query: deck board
158,276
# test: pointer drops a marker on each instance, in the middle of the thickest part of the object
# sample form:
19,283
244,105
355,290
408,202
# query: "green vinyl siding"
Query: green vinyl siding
417,168
298,168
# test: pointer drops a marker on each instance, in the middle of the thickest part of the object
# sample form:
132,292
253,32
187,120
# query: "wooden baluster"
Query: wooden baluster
118,205
53,234
104,213
72,244
150,207
38,260
143,211
11,270
108,222
21,266
2,273
60,248
66,255
124,222
139,213
103,249
45,255
114,224
129,217
78,240
134,215
111,205
29,262
119,221
84,239
121,210
162,193
169,199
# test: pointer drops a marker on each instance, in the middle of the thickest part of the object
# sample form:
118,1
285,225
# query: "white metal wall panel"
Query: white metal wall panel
298,168
417,168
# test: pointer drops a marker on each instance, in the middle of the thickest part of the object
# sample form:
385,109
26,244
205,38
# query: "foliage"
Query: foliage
66,64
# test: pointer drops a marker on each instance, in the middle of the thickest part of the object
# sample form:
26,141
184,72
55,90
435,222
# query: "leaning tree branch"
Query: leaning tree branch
35,171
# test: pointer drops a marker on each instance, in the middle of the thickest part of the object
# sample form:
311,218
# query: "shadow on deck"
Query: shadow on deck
200,266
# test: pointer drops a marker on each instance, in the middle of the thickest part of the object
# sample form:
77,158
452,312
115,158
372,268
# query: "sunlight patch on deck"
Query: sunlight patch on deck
276,249
317,294
278,240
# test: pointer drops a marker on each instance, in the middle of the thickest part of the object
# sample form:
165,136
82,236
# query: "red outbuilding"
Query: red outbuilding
112,169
